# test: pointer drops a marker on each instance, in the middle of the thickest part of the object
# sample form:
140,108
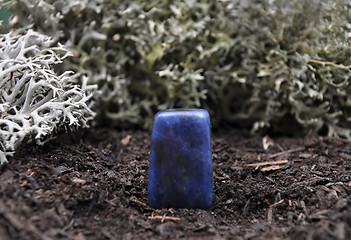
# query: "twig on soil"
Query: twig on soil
285,152
220,149
277,203
275,165
247,203
267,163
270,211
271,168
139,203
163,218
280,147
69,225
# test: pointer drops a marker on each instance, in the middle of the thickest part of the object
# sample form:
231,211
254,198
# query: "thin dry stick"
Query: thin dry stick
267,163
277,203
163,218
247,203
278,146
285,152
271,168
141,204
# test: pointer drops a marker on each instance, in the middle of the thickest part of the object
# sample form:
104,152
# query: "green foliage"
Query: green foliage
261,64
5,15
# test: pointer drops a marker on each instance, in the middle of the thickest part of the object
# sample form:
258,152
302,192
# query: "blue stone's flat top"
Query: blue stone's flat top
180,173
184,112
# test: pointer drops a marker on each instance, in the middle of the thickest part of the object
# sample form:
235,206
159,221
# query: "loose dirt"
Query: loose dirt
93,185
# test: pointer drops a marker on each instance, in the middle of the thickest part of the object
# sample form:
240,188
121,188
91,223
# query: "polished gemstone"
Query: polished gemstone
180,173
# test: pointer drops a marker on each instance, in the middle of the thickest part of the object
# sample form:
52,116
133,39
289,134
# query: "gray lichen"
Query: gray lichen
263,64
35,101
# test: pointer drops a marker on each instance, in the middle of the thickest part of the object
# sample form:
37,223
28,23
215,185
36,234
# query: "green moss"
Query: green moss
5,14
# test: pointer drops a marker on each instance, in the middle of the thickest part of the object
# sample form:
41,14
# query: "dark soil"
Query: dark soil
93,185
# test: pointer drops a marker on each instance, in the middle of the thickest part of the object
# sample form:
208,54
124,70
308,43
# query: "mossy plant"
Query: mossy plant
265,64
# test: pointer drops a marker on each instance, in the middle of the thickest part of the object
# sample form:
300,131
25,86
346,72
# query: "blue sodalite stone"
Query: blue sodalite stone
180,173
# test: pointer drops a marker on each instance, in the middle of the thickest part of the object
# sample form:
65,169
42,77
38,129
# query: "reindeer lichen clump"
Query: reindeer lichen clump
34,100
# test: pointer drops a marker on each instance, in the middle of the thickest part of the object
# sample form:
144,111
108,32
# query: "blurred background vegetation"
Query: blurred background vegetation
267,65
5,15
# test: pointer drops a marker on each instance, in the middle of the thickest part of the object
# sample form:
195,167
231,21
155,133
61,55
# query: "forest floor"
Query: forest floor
93,185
